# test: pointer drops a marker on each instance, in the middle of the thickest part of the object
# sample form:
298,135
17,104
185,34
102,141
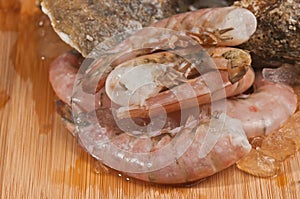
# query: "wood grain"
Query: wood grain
40,159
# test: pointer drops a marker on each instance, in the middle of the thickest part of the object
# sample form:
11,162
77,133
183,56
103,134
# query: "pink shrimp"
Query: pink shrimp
179,155
169,98
226,26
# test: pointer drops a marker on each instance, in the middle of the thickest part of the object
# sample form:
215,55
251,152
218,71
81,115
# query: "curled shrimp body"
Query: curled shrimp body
228,26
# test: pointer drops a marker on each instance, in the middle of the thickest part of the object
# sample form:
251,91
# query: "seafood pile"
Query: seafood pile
163,104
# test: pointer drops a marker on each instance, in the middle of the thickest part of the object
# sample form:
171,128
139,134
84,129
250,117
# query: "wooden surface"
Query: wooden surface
40,159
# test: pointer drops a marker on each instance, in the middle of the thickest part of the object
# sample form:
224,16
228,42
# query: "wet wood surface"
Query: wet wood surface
40,159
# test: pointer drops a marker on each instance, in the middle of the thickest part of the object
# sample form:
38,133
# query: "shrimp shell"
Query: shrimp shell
62,74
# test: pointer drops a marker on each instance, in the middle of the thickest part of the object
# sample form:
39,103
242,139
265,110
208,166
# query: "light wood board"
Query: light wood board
40,159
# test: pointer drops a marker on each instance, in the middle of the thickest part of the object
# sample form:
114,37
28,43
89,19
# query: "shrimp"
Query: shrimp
214,26
179,155
170,75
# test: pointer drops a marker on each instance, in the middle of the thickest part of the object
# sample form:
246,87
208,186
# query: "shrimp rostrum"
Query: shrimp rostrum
154,105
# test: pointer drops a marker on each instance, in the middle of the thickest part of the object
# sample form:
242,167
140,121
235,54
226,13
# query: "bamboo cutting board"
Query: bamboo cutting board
40,159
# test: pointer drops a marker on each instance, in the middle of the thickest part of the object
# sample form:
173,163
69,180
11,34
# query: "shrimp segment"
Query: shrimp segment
191,166
62,74
266,109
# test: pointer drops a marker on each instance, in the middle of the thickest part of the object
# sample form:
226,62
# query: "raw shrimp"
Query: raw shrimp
143,94
168,147
226,26
178,155
172,149
184,150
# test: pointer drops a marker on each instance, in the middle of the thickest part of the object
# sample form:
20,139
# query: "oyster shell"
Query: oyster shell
278,31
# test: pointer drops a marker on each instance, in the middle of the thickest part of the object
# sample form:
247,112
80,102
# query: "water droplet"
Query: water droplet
43,58
96,170
100,168
41,23
256,142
